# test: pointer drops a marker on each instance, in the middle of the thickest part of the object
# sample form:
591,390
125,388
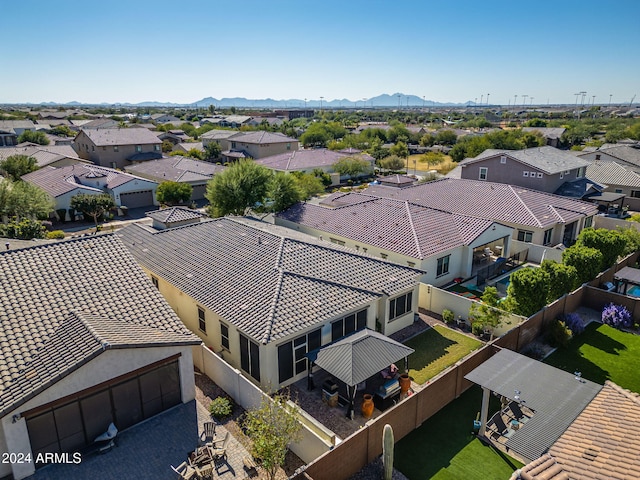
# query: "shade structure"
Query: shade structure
359,356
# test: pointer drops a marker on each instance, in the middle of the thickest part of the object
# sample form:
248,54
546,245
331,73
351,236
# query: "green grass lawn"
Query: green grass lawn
435,350
444,447
602,353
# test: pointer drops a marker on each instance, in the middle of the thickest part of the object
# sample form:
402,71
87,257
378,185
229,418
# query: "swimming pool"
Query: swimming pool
634,291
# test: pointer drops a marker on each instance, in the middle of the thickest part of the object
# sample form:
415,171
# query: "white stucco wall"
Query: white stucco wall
134,186
108,365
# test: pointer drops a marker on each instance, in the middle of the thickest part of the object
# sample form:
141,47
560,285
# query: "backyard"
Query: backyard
602,353
435,350
444,447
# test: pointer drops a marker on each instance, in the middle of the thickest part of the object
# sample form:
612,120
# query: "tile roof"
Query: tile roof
174,214
186,146
176,169
266,281
625,153
40,151
495,201
59,301
548,159
301,159
396,180
56,182
122,136
261,137
547,132
613,173
394,225
11,125
218,134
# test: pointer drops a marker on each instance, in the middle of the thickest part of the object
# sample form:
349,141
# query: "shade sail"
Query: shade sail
359,356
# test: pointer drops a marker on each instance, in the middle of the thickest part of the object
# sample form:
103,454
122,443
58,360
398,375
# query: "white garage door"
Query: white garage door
143,198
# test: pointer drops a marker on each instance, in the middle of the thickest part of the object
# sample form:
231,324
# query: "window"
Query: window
618,190
138,148
250,357
598,156
224,336
400,305
288,146
336,241
635,193
580,172
525,236
443,266
115,148
547,236
483,173
93,148
525,174
202,324
349,324
588,222
384,255
233,144
503,159
292,359
540,175
411,264
156,148
155,282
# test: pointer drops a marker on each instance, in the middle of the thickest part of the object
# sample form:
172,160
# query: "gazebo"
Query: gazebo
626,276
555,396
356,358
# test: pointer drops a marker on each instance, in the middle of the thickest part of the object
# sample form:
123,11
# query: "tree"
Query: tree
528,290
446,137
172,193
427,140
271,427
212,151
562,279
351,166
238,188
400,149
488,312
34,137
283,191
392,162
324,177
25,229
24,200
93,206
586,260
611,243
63,131
432,158
632,240
195,153
167,146
309,184
536,122
15,166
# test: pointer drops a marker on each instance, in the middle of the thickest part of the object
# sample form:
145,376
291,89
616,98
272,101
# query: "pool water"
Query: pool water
634,291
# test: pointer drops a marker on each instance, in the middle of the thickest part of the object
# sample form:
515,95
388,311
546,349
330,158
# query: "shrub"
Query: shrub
616,316
447,316
477,328
55,235
573,323
558,334
220,407
534,350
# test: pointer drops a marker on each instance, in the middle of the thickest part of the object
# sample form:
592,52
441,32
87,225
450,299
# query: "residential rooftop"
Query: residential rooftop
121,136
612,173
175,169
301,159
548,159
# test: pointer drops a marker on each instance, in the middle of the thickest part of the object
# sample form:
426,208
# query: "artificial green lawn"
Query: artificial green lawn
435,350
444,447
602,353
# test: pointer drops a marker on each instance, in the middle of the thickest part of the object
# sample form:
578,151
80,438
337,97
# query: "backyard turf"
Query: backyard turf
602,353
435,350
444,447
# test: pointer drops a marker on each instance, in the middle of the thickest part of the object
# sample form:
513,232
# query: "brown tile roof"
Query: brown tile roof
174,214
176,169
394,225
60,302
548,159
122,136
301,159
496,201
261,137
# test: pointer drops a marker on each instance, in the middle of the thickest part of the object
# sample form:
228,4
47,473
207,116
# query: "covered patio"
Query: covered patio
625,278
539,402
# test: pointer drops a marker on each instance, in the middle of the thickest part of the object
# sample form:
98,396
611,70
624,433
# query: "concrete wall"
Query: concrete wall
600,221
110,364
538,253
315,439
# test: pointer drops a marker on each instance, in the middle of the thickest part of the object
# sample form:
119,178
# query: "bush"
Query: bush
616,316
477,328
447,316
573,323
534,350
220,407
55,235
558,334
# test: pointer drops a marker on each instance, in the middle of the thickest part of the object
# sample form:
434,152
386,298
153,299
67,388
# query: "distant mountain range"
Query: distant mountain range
384,100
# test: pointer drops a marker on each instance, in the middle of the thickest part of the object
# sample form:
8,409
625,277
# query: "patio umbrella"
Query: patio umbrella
357,357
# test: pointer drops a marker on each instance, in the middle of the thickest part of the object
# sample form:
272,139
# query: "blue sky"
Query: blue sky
447,51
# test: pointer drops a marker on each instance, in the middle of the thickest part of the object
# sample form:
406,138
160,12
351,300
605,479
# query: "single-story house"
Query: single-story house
263,296
444,245
552,135
174,136
45,155
65,182
186,147
178,169
87,341
164,118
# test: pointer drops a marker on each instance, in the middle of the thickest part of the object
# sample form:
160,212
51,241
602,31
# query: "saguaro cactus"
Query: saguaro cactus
387,451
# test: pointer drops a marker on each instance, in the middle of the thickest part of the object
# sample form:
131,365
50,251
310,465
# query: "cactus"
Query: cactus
387,451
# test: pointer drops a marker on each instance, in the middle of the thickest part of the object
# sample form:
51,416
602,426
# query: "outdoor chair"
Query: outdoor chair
218,449
209,431
516,411
500,427
185,471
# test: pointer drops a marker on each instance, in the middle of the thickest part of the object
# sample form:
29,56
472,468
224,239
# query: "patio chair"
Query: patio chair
209,431
516,411
500,427
218,449
185,471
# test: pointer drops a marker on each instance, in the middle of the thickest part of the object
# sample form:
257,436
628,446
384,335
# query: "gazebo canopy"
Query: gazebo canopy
628,274
359,356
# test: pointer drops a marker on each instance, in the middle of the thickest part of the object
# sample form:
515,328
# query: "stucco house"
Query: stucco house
263,296
626,155
117,147
10,130
257,145
536,217
178,169
65,182
444,245
87,340
541,168
45,155
552,135
218,136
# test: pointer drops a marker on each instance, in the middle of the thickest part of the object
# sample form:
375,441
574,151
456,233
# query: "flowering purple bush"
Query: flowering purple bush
573,323
616,315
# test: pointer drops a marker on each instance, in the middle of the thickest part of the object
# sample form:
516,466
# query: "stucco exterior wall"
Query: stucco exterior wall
107,156
264,150
108,365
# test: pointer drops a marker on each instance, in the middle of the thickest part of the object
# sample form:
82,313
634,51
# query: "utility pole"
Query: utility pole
610,95
321,98
593,102
481,97
487,99
515,100
399,104
531,101
524,100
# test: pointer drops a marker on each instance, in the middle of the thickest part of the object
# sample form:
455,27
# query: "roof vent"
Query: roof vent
590,454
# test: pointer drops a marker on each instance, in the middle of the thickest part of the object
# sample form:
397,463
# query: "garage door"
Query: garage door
143,198
198,192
